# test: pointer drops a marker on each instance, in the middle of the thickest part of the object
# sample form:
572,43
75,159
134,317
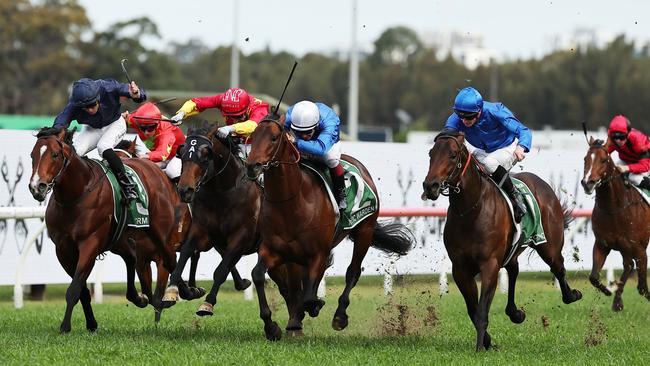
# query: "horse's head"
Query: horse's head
268,148
196,154
447,160
599,167
50,156
125,148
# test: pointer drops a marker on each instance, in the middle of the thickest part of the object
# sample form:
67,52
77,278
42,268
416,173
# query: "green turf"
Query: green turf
414,326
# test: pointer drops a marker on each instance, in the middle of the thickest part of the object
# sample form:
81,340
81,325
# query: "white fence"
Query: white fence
398,170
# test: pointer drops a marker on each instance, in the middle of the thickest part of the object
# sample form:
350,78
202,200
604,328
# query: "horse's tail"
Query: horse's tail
392,238
567,208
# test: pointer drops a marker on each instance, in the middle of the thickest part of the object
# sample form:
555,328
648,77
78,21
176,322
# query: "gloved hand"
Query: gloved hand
224,131
178,118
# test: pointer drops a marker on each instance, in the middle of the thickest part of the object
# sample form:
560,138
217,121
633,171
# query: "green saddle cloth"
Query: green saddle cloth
532,231
361,199
137,214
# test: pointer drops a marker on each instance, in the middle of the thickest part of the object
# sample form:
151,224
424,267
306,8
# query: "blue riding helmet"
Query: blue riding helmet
85,92
468,100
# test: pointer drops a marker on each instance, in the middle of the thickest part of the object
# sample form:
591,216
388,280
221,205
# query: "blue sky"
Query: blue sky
513,28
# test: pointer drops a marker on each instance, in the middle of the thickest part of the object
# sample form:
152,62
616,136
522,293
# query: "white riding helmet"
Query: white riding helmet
304,116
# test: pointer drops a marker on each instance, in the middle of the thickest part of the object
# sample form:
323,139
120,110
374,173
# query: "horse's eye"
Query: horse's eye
274,138
55,155
603,161
453,155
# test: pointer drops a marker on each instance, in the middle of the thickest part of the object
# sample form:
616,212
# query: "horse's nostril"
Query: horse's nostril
42,187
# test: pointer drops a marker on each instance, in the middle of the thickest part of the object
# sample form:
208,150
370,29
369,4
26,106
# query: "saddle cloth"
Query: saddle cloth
138,210
361,199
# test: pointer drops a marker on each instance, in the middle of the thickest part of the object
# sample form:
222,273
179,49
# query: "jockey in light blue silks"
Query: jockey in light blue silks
498,139
316,128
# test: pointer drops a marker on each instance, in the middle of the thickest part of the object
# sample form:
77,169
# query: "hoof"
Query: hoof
340,322
197,292
295,333
92,326
140,301
243,285
171,295
312,307
273,332
518,316
574,296
65,328
205,309
617,305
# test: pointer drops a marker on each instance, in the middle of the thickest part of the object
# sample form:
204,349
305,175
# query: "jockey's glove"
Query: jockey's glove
178,118
224,131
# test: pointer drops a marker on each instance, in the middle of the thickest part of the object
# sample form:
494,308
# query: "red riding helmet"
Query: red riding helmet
619,125
234,102
146,110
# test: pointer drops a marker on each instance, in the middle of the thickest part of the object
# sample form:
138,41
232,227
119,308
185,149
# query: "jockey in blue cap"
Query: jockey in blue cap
96,104
316,130
498,139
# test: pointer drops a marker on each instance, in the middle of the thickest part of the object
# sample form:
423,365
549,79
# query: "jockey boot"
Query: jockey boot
645,183
502,178
117,167
339,186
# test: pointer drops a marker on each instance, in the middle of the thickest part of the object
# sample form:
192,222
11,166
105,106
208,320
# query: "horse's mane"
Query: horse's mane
598,143
123,145
208,131
53,131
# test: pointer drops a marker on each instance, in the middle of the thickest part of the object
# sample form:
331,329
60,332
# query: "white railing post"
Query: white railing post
503,281
322,290
98,288
18,285
443,283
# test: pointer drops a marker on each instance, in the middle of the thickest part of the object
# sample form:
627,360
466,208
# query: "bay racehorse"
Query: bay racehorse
620,220
80,218
225,210
479,230
298,224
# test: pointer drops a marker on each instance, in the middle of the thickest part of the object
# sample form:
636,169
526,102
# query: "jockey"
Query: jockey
498,139
96,104
158,140
633,150
315,127
241,111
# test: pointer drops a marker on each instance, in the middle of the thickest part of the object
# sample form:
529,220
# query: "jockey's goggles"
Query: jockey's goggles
618,136
466,115
90,105
148,127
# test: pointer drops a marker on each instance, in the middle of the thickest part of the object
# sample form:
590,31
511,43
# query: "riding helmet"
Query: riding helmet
304,116
468,100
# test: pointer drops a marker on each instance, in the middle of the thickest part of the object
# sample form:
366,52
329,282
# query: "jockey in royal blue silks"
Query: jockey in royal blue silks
498,139
96,104
316,128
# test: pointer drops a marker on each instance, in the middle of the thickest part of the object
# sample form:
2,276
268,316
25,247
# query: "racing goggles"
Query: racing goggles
147,127
618,136
466,115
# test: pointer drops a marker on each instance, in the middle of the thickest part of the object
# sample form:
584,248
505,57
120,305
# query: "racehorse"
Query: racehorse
479,230
298,224
620,221
225,210
81,223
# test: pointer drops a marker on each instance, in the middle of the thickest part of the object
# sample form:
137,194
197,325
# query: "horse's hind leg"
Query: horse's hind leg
642,272
271,328
551,253
241,284
362,239
628,264
516,315
162,275
132,294
600,253
218,278
91,322
176,284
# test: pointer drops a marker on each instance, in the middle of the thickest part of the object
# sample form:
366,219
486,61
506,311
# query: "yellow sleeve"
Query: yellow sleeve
245,128
189,108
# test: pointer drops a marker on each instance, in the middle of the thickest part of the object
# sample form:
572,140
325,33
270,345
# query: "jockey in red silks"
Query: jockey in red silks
633,150
158,140
241,111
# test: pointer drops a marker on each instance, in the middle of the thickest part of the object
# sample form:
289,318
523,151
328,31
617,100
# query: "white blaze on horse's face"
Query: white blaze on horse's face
36,177
587,176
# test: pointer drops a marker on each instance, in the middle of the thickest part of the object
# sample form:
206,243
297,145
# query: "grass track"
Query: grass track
399,330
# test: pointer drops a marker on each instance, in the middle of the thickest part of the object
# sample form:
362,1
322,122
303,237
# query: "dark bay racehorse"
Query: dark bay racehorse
620,221
479,230
81,223
225,209
298,227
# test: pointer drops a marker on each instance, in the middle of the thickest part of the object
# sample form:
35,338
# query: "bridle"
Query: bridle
208,173
446,188
66,161
610,164
274,162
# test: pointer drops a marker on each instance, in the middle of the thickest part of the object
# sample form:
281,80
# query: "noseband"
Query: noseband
50,185
190,155
446,188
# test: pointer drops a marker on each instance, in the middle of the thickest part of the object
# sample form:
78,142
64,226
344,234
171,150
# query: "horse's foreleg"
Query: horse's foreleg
87,253
143,270
241,284
628,264
516,315
194,264
289,280
219,277
311,278
162,275
361,244
467,286
132,294
271,328
91,322
600,253
489,277
176,284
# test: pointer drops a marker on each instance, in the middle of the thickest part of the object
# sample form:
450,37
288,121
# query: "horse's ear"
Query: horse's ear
591,140
282,119
61,134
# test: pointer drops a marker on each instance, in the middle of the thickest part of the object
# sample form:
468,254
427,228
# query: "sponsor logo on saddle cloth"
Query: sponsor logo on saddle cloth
530,231
361,200
138,211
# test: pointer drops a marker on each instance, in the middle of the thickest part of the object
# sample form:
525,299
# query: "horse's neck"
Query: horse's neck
228,170
283,182
471,187
612,194
75,179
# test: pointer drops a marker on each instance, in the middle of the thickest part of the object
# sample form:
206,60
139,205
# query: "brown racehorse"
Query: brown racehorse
619,219
81,223
225,209
479,230
298,224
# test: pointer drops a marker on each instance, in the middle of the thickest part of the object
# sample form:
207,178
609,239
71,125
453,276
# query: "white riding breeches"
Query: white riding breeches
101,138
171,167
504,157
332,158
